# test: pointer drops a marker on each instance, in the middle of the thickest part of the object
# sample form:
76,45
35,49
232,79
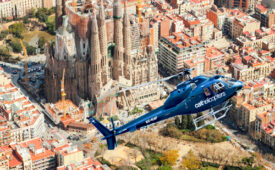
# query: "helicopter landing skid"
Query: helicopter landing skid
215,114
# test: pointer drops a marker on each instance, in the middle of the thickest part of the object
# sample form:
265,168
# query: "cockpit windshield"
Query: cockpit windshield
228,81
217,87
193,86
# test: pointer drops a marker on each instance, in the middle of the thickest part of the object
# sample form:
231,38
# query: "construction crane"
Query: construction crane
74,4
63,94
139,11
25,62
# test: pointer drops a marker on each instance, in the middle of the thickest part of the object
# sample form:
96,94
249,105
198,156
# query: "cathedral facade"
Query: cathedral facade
96,59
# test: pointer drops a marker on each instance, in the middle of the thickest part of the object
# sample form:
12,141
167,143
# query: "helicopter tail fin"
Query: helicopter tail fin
108,134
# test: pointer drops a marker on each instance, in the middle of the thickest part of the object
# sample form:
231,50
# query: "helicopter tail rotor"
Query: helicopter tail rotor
108,134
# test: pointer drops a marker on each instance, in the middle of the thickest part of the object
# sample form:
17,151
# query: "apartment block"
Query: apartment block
198,63
257,39
251,67
265,15
214,59
244,4
87,163
19,8
244,24
176,48
198,25
69,155
248,111
265,128
5,135
217,16
4,162
18,114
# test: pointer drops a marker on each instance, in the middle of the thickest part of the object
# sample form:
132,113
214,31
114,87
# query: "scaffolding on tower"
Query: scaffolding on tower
63,94
139,11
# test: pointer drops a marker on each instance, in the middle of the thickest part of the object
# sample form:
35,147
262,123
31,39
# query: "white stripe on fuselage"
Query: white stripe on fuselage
209,100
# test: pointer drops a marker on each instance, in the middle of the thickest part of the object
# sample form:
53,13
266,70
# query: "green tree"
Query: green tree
16,46
177,121
170,157
41,14
171,131
200,123
31,50
51,27
17,29
165,168
190,124
248,160
4,51
3,34
41,42
51,11
184,122
32,13
26,20
190,161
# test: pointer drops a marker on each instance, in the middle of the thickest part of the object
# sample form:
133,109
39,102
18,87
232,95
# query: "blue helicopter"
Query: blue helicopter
195,95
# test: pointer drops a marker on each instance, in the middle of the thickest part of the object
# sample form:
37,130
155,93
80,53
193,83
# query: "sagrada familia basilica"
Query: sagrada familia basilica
98,56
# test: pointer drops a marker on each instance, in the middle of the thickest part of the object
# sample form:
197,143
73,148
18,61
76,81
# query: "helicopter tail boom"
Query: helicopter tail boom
108,134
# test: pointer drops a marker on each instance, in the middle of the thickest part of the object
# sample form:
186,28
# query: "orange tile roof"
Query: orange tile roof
65,152
85,165
38,144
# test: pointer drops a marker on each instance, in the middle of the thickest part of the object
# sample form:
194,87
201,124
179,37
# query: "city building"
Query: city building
257,39
87,163
198,63
269,3
248,111
5,135
69,155
56,111
214,59
49,3
20,120
217,16
243,24
18,8
198,25
113,62
80,128
264,128
265,15
174,49
4,162
244,4
250,67
34,154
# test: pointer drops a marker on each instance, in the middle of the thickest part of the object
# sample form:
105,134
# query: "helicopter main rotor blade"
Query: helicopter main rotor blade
152,82
112,93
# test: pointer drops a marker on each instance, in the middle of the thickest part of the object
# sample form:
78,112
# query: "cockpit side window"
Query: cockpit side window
193,86
217,87
206,92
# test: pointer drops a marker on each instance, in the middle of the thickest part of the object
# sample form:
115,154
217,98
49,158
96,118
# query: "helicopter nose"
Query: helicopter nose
238,85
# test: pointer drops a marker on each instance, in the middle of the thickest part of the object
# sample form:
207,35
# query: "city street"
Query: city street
242,138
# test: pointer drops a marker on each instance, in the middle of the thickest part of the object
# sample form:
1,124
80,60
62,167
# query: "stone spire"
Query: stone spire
127,44
95,58
103,43
58,13
118,38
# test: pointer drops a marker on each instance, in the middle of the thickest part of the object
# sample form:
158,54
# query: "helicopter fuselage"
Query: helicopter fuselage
190,97
193,96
